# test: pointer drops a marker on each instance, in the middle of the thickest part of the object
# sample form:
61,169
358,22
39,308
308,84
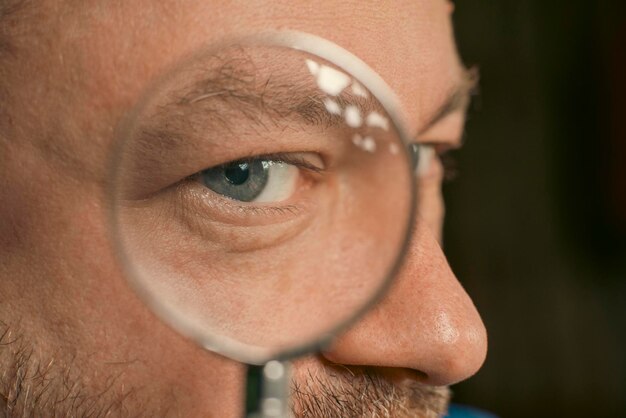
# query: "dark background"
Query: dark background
536,227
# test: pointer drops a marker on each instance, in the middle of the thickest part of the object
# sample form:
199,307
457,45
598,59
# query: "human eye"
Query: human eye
265,179
255,200
245,203
434,161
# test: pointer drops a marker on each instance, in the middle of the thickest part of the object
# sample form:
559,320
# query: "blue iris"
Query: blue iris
238,180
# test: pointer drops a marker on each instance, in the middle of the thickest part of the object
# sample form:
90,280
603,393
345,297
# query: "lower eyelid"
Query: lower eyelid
266,210
234,227
216,208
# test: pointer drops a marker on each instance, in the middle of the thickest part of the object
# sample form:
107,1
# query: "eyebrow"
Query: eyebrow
215,97
287,100
279,101
457,100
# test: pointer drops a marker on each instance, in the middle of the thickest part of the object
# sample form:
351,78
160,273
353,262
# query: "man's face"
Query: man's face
74,337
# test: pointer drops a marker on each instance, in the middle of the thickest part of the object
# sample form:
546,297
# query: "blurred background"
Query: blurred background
536,227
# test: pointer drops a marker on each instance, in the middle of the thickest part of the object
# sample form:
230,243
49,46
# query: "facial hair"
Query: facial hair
364,393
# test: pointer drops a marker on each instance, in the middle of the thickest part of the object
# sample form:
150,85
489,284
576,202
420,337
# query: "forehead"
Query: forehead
123,45
87,63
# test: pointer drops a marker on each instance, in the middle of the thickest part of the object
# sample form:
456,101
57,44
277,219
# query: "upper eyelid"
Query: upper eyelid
458,100
287,158
448,133
440,147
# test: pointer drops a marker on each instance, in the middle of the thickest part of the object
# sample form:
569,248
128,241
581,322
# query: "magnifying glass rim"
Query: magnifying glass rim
229,347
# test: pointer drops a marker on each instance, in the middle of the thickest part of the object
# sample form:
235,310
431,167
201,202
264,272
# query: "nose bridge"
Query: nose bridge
426,322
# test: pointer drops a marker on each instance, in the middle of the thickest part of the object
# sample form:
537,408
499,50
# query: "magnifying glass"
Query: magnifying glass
262,198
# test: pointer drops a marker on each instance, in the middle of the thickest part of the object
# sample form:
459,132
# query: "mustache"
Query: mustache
365,393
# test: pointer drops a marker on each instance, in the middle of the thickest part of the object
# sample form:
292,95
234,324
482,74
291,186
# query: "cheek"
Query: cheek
60,283
224,279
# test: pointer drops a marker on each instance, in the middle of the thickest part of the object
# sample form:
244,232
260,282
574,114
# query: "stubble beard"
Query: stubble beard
363,393
30,387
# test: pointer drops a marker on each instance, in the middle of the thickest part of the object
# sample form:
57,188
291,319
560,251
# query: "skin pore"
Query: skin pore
74,338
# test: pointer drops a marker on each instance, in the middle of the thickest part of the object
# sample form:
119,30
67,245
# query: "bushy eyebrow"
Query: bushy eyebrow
233,91
296,98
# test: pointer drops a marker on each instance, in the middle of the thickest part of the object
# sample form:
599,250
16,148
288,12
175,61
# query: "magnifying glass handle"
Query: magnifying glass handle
267,390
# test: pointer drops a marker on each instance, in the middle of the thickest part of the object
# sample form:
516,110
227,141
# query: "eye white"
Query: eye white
281,182
425,160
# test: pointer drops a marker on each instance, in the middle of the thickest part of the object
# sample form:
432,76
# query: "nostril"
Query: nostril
401,375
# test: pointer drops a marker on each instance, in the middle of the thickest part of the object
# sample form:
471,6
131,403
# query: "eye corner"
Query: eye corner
423,154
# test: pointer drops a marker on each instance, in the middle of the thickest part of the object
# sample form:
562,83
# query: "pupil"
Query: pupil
237,173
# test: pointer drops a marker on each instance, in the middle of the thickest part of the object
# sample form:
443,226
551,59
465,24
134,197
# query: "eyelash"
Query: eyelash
285,159
450,166
256,209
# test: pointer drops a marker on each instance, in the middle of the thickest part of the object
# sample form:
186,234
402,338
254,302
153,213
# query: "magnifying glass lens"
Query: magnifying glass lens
262,197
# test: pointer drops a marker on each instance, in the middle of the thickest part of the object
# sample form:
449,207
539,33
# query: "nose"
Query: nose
426,322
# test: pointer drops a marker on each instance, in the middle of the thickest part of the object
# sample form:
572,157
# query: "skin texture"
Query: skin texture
74,333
